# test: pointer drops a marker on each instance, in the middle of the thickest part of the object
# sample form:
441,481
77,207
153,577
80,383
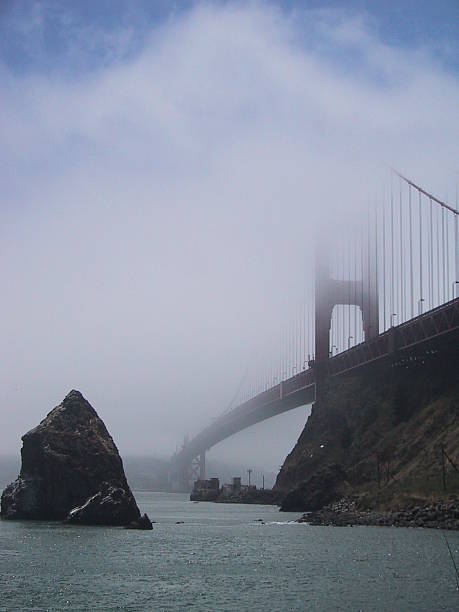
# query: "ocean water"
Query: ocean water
222,558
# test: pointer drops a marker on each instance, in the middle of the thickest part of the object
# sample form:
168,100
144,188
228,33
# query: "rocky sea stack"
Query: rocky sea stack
71,470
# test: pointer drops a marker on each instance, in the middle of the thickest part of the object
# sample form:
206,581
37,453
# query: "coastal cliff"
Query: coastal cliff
71,469
386,439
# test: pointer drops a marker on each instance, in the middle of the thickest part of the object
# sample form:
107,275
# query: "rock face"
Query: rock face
113,502
379,437
71,468
316,491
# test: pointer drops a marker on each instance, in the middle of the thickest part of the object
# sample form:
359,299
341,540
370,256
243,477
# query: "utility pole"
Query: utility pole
443,467
249,471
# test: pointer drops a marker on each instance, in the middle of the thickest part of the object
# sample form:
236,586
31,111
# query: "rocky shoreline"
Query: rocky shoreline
441,514
264,497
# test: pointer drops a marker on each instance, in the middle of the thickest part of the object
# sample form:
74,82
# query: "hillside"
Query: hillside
379,437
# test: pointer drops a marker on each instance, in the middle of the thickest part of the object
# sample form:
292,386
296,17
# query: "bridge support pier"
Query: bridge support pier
183,475
202,465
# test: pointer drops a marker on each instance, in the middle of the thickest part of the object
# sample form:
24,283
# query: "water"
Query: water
221,558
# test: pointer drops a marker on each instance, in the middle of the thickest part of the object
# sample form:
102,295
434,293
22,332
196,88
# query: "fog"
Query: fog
159,208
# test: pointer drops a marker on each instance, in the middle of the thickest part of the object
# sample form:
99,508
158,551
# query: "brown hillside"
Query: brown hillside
379,437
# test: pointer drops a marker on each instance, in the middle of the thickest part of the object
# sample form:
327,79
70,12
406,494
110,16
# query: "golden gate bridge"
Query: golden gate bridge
388,295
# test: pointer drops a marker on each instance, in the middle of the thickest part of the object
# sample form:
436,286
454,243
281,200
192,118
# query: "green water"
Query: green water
221,558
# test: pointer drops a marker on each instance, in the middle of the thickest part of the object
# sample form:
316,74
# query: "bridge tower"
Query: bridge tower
183,475
202,465
330,292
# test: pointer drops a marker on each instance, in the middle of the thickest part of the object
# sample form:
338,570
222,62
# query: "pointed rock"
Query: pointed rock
69,461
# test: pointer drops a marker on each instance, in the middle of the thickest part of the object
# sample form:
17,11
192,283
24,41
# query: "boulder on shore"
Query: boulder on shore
71,469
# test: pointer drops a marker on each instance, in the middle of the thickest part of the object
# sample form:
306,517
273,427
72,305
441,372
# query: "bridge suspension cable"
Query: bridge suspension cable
431,197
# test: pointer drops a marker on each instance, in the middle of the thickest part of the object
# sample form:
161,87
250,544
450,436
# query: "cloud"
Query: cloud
160,210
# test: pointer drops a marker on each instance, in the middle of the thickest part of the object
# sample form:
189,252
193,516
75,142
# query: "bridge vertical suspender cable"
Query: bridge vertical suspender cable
349,265
411,252
302,338
369,266
443,252
356,337
339,309
366,245
361,272
392,266
305,332
333,324
447,259
456,231
294,343
308,327
437,232
293,346
431,263
421,293
286,352
282,352
313,324
298,343
343,308
335,310
376,264
402,279
345,279
384,258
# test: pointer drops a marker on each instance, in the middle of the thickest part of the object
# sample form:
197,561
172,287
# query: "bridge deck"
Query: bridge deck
412,339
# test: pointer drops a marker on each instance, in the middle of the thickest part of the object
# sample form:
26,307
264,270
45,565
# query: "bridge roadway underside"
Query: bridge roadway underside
418,339
260,408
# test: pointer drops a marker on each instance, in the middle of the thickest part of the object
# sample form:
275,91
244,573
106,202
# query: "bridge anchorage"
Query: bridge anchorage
395,294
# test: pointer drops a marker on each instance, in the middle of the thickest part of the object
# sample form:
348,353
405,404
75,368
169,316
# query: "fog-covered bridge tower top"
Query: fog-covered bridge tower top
331,292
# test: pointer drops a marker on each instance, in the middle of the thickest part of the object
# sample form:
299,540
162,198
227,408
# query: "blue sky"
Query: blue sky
42,35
